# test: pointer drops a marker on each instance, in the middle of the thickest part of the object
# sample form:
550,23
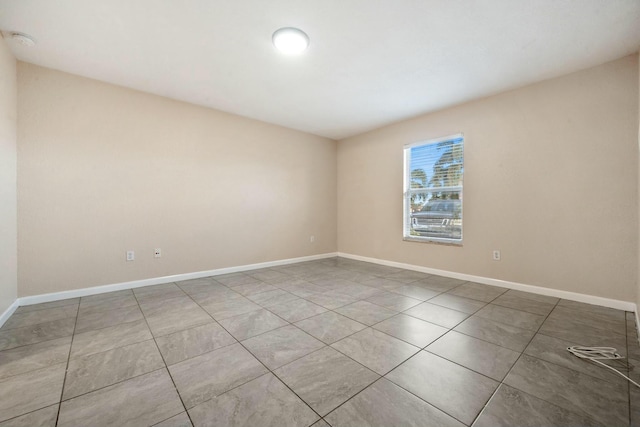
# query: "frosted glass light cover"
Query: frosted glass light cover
290,41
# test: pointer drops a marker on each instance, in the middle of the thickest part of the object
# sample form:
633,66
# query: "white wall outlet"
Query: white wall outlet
312,239
131,255
496,255
157,253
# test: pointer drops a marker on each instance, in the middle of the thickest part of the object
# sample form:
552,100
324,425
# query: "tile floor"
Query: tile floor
332,342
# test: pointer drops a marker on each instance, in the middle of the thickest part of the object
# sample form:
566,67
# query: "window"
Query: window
433,172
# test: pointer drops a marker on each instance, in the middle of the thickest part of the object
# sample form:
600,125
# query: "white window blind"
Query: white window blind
433,180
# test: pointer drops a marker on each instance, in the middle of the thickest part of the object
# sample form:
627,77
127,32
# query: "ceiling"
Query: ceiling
370,62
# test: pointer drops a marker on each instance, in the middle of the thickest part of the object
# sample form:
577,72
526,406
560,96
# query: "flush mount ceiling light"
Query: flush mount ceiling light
23,39
290,41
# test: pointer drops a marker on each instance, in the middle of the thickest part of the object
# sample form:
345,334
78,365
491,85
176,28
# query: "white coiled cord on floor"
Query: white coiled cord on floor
595,354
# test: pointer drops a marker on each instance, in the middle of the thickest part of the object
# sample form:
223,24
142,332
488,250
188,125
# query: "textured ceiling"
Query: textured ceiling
370,62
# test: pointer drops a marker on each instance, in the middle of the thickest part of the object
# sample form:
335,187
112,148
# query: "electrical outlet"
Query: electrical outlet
131,255
496,255
312,239
157,253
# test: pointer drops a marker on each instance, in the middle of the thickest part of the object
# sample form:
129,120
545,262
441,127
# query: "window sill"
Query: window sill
445,242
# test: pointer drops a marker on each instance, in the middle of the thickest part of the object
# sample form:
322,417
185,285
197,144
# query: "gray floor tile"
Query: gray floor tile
287,283
236,279
554,350
440,283
375,350
100,340
382,283
330,327
144,400
412,330
269,298
633,365
296,310
571,325
35,356
524,304
305,289
225,308
180,420
453,389
597,310
320,423
576,392
478,291
331,300
253,289
416,292
634,406
282,346
384,404
511,317
501,334
511,407
611,320
45,417
106,296
268,275
89,373
215,296
46,305
531,296
264,401
172,319
33,390
157,292
106,304
333,283
195,286
394,301
97,299
325,379
103,319
193,342
214,367
30,318
407,276
251,324
454,302
159,305
359,291
13,338
480,356
436,314
366,312
209,375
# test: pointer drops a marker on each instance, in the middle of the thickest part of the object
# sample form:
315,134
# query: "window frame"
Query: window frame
407,192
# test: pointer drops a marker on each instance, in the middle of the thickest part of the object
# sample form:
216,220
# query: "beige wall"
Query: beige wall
103,169
638,160
8,227
550,180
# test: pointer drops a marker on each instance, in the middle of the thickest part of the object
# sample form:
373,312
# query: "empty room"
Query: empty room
292,214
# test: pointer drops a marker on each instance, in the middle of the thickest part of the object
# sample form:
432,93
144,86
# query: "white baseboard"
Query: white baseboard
56,296
573,296
8,312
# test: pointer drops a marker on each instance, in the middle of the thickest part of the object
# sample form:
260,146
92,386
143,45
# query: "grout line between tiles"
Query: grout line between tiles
333,264
511,369
166,367
64,381
265,366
